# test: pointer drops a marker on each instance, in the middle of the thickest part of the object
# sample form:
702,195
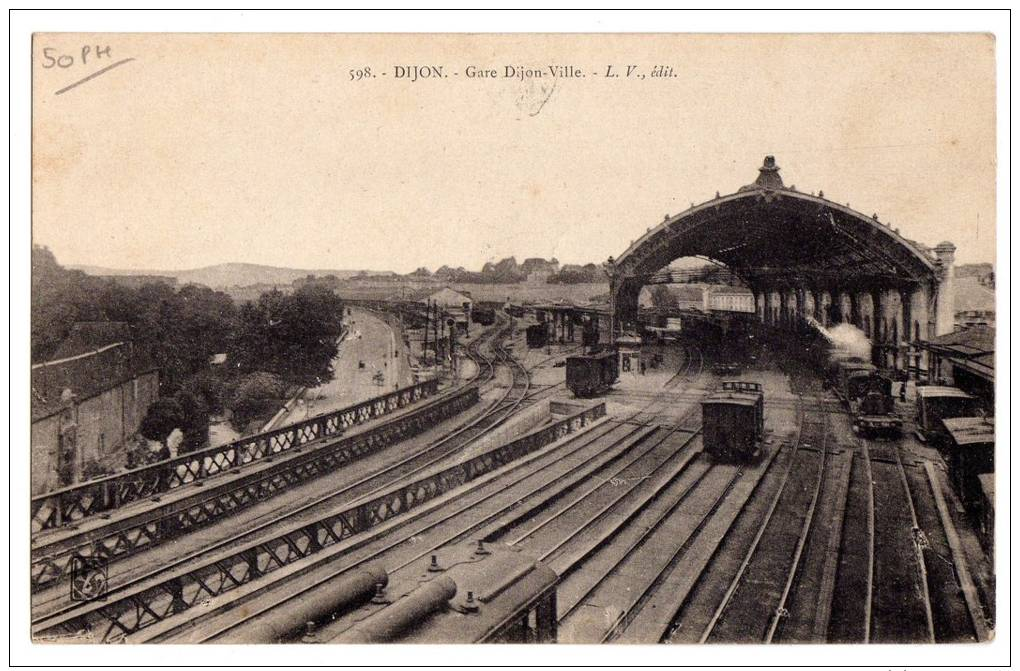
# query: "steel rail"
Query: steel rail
966,582
646,533
401,539
670,431
650,585
368,515
823,605
734,583
459,534
597,486
918,552
697,530
870,587
304,508
802,539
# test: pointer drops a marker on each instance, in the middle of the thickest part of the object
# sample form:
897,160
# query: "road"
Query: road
372,342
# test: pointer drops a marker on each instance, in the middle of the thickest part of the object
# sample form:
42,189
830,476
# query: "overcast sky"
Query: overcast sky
210,149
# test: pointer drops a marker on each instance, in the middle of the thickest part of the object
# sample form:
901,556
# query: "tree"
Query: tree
291,336
663,298
184,411
193,420
256,395
163,416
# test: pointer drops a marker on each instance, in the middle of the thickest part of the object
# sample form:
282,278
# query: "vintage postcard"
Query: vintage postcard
527,338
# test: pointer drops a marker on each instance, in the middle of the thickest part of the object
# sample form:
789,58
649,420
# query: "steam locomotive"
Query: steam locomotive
867,394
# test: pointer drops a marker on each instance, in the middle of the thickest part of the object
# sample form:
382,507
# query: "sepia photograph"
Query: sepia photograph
670,338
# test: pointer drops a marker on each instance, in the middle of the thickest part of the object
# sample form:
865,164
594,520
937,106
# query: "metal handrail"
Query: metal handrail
76,502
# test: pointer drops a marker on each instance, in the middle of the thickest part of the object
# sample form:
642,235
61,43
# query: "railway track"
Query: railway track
692,365
403,470
742,612
919,588
900,600
54,599
523,489
520,484
843,547
650,538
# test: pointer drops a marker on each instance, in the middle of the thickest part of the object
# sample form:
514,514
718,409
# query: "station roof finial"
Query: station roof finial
768,176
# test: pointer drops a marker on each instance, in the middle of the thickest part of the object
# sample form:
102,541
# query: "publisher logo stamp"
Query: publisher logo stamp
88,578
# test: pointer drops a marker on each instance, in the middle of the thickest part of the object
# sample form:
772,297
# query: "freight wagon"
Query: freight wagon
591,375
483,316
733,422
938,403
537,336
969,450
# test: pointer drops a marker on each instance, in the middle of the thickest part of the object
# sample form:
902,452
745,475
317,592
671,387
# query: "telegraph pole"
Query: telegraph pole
425,343
609,268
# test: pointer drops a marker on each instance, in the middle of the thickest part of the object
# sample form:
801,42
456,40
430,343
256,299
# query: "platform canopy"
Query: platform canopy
773,236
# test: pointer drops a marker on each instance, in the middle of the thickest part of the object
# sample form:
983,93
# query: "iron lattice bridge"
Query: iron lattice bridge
135,607
153,526
78,502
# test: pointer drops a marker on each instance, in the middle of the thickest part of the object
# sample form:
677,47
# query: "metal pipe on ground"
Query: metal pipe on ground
288,621
388,623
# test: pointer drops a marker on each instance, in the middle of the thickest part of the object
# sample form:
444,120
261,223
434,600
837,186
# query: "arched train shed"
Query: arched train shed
802,255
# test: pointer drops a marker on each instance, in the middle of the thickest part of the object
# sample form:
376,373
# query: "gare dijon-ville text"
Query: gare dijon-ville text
424,72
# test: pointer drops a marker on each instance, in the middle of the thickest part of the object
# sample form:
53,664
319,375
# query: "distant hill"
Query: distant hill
225,275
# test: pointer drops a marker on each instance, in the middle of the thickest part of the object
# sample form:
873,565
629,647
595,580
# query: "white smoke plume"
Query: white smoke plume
847,340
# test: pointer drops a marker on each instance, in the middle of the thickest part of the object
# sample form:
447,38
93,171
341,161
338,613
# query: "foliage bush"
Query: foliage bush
290,336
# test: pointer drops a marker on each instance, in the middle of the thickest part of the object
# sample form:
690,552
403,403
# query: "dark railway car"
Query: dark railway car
592,374
483,316
733,421
839,372
473,594
969,449
938,403
537,336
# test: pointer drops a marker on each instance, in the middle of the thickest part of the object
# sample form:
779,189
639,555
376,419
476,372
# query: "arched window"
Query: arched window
917,331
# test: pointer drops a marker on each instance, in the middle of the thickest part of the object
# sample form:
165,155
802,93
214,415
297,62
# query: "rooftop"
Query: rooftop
972,348
935,391
970,295
970,430
85,375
